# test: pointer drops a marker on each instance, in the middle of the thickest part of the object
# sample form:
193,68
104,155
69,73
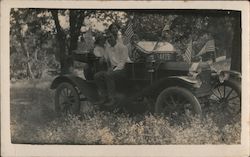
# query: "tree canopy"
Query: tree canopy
39,37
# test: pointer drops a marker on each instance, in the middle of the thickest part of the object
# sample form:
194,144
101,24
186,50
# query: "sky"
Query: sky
64,22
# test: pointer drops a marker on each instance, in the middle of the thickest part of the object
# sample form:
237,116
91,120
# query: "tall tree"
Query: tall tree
31,40
33,30
68,45
18,27
27,37
61,39
236,43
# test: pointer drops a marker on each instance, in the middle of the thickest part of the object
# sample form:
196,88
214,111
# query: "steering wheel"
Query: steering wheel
136,55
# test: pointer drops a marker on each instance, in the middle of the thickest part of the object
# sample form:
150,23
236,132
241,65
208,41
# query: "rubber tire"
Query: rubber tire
76,108
181,91
234,85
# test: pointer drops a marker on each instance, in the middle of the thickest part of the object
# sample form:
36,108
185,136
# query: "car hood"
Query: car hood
162,47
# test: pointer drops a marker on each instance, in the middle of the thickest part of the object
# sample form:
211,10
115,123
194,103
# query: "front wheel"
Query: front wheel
67,100
227,99
177,101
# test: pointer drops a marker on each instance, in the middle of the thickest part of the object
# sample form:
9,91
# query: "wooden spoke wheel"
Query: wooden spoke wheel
177,101
67,100
227,98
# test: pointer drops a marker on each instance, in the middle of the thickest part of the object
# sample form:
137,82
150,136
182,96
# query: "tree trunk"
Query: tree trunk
60,35
35,55
25,50
76,19
228,52
29,71
236,44
73,32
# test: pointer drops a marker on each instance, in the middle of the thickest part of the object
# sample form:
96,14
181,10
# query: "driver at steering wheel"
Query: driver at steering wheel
117,56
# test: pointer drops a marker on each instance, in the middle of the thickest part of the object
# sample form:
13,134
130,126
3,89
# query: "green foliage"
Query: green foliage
18,66
183,28
37,34
32,46
40,68
150,26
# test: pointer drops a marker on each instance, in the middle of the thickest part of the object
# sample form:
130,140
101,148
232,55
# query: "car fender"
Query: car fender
159,85
229,74
89,90
187,79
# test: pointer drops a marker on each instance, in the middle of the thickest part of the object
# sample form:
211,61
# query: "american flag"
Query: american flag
128,33
208,47
188,54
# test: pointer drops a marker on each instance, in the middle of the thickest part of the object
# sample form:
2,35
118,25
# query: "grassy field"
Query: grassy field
33,120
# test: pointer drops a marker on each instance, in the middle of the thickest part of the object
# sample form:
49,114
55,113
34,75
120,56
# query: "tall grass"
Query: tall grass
33,121
107,128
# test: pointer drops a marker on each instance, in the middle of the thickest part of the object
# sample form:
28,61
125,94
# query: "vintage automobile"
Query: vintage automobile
156,82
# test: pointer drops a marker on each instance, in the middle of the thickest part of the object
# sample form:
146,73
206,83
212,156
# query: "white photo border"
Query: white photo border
9,149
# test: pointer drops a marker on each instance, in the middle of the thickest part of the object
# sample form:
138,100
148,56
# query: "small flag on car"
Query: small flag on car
128,33
188,54
166,28
208,47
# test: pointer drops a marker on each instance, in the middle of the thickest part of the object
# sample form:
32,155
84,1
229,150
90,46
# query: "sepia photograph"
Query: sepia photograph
92,76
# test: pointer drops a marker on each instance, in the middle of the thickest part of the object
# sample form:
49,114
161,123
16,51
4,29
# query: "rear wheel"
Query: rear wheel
177,101
67,100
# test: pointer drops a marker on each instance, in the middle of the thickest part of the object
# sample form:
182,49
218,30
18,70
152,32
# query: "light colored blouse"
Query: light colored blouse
118,56
100,52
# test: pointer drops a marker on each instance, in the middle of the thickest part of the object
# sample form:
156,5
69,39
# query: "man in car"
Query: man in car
118,56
